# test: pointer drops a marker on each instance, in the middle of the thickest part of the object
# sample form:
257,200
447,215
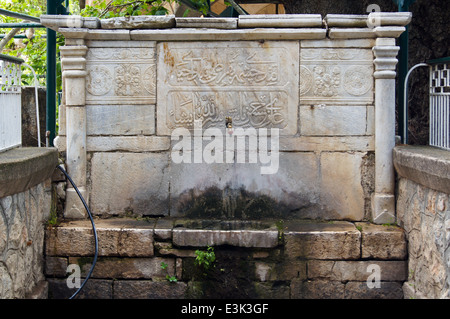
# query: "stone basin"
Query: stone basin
240,233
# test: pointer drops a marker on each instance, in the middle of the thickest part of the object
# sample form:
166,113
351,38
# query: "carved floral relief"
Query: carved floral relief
121,75
336,76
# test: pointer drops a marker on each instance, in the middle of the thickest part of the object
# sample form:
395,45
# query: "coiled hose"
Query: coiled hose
93,228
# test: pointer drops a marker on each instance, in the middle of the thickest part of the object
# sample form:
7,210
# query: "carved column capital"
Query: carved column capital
385,52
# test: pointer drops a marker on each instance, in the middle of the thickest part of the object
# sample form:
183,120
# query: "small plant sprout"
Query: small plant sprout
206,258
170,278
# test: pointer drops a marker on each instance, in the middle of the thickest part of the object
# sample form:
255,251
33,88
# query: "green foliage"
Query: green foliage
168,277
119,8
206,258
32,50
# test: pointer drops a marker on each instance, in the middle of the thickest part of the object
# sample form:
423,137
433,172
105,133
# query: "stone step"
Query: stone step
127,237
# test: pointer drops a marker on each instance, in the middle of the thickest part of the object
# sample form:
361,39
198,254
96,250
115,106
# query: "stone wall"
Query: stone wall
25,203
130,83
423,211
288,260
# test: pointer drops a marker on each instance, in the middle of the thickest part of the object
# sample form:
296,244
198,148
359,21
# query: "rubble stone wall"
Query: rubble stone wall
423,211
25,204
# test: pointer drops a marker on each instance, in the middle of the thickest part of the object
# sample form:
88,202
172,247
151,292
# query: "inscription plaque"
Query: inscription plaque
256,84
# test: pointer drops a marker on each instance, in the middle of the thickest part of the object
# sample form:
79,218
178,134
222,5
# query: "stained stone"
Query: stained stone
280,21
139,22
214,23
141,187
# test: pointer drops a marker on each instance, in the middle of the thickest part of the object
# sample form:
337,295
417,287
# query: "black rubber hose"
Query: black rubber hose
93,228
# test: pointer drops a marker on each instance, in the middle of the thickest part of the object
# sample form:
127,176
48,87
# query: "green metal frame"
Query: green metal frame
21,25
11,58
19,15
403,6
53,7
439,61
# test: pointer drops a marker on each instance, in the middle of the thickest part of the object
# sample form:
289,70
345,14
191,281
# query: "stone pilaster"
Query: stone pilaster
74,79
383,200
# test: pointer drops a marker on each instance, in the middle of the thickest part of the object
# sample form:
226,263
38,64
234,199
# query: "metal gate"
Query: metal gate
440,103
10,102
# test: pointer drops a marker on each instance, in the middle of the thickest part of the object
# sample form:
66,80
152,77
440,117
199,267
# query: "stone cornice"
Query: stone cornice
251,27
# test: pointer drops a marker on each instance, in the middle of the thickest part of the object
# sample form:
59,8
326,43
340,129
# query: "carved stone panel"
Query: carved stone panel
256,84
121,75
336,76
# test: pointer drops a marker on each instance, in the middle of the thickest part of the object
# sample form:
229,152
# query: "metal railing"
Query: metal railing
440,103
439,90
10,102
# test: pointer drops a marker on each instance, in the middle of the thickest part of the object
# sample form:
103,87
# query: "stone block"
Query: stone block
194,82
282,271
351,33
360,290
341,189
338,43
127,268
25,167
280,21
121,239
94,289
136,144
382,242
356,270
389,32
327,143
189,34
239,238
336,240
139,22
327,120
163,229
120,120
272,290
317,289
391,18
101,34
346,20
426,165
145,289
213,23
56,266
239,190
141,187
